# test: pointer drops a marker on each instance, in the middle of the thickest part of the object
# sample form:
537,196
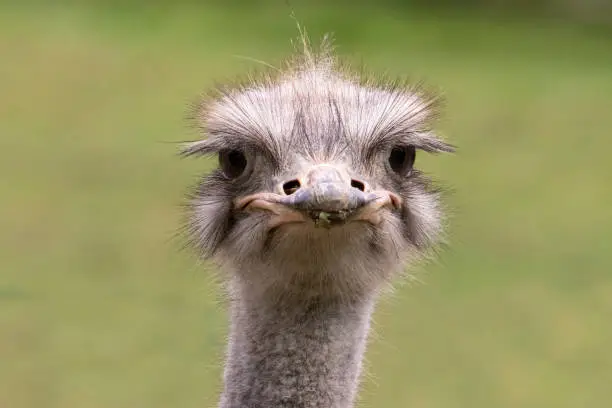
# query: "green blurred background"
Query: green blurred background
100,307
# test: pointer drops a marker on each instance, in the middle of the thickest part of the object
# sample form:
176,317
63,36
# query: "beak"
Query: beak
327,196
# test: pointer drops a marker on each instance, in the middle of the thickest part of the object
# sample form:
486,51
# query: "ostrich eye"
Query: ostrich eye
233,163
401,159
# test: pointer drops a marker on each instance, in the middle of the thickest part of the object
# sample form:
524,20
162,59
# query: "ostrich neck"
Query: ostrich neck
295,353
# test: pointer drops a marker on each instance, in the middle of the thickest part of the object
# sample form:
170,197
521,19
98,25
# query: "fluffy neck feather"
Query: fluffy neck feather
294,353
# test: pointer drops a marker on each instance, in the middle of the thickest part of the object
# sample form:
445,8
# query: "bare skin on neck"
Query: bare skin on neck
315,208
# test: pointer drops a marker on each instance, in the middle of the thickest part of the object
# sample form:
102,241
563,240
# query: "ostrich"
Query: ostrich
313,210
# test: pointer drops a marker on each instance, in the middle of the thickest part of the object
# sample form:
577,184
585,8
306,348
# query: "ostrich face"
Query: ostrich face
316,172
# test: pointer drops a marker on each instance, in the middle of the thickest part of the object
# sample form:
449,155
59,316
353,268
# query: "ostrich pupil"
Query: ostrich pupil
233,163
401,159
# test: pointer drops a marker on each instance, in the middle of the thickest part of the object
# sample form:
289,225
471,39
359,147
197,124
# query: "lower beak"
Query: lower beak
286,210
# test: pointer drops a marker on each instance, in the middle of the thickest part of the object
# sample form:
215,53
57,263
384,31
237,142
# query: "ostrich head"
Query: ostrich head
316,192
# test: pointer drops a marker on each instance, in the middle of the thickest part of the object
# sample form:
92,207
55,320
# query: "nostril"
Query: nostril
358,185
291,187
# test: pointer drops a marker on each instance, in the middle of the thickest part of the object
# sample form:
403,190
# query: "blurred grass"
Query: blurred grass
99,308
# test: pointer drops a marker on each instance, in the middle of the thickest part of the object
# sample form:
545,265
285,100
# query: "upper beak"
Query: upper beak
327,196
326,189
